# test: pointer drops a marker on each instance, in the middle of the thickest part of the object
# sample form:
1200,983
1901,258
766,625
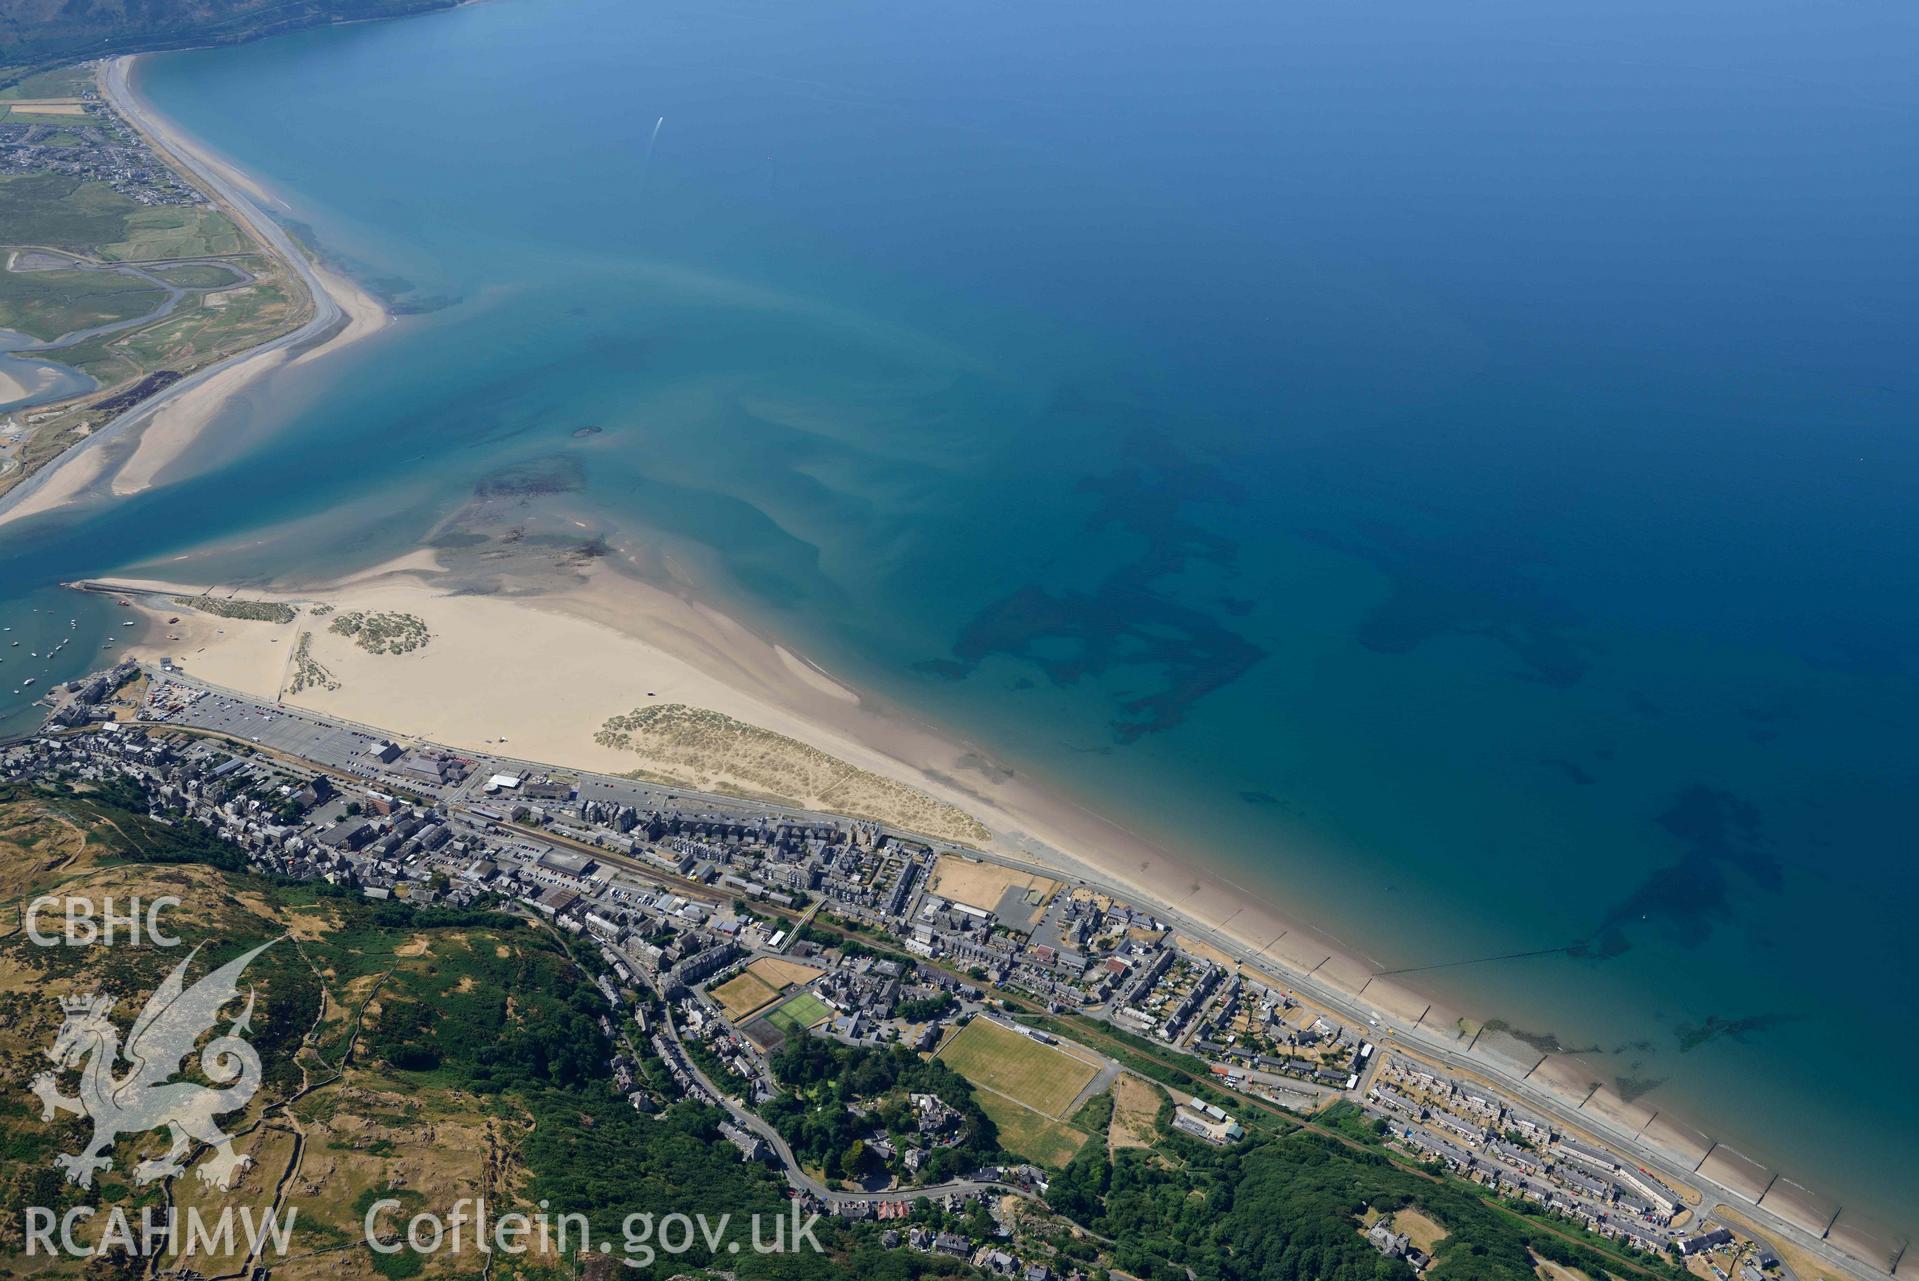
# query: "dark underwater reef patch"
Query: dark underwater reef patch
1694,1035
1631,1087
1448,586
1571,769
1130,620
1544,1042
1720,835
533,478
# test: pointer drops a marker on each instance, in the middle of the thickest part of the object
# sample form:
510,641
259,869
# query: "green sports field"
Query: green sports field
800,1013
1037,1076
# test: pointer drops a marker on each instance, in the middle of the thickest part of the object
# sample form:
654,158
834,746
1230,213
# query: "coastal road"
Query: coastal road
327,314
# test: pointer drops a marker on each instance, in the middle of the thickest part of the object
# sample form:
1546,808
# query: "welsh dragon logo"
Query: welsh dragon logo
146,1097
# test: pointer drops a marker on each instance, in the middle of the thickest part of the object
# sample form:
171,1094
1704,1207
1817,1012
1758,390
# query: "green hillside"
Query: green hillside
36,32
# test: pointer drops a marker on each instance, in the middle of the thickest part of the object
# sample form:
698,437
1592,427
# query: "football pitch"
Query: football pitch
1037,1076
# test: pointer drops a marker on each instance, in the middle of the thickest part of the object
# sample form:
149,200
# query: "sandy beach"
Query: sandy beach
58,485
365,316
537,676
173,428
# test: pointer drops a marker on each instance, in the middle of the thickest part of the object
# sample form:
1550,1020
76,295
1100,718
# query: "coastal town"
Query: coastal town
76,135
728,935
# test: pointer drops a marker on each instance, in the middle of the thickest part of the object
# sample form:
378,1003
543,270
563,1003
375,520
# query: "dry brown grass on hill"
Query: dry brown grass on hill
38,843
369,1129
1136,1104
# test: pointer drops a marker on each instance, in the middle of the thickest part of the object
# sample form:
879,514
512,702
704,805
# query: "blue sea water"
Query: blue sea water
1453,465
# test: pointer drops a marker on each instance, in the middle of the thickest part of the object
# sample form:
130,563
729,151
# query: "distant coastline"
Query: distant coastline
165,425
234,27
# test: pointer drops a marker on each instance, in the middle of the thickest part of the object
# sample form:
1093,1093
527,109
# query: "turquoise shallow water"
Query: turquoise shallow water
1454,468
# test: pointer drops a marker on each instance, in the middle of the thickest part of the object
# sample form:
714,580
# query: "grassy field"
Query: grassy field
1026,1087
782,973
63,138
194,330
1040,1077
760,983
800,1013
1419,1228
62,212
1026,1133
742,994
48,304
67,82
1136,1104
175,231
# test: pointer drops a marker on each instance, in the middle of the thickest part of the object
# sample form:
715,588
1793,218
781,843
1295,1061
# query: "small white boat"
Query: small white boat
27,682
